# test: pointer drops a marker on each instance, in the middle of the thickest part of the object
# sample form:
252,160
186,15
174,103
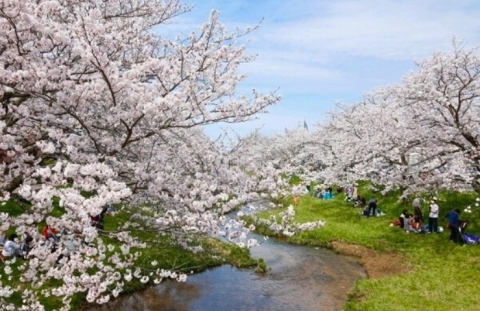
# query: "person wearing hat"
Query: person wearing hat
433,216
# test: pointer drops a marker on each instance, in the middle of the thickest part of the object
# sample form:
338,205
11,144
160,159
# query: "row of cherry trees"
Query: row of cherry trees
92,101
420,134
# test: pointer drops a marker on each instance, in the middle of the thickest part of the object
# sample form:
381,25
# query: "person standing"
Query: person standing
454,225
296,200
372,207
433,216
417,210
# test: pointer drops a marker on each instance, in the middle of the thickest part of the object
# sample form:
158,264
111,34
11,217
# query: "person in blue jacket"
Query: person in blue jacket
454,225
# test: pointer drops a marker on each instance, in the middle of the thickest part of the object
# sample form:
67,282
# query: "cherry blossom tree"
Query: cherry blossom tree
372,140
443,98
292,153
93,101
420,134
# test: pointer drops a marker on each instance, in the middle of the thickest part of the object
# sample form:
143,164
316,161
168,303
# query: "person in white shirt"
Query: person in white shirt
11,248
433,216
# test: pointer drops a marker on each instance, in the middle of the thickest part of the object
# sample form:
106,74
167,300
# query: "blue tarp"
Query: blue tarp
471,238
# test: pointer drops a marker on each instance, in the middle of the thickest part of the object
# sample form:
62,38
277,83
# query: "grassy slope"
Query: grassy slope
441,275
160,248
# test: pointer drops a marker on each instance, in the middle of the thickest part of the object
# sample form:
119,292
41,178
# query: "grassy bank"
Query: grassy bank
429,272
161,249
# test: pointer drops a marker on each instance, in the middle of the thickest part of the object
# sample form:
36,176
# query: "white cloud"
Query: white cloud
393,30
321,51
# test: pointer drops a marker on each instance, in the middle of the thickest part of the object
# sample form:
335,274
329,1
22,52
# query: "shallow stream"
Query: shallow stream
300,278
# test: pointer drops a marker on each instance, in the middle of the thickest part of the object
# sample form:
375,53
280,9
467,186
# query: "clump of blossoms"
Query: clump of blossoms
285,224
468,209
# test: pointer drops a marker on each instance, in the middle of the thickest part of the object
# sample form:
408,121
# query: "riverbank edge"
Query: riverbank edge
137,286
377,264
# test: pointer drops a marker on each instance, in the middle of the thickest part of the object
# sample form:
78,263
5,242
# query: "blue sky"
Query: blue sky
318,52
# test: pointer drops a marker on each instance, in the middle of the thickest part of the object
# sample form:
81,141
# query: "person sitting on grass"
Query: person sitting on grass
49,232
111,210
416,223
12,248
407,222
97,220
360,201
401,218
411,223
28,242
327,193
2,238
69,244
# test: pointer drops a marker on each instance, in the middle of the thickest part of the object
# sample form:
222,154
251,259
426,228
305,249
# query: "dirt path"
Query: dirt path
376,264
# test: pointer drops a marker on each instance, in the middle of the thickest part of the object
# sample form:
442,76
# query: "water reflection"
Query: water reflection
300,278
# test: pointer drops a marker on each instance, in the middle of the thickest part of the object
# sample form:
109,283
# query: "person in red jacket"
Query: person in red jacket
49,233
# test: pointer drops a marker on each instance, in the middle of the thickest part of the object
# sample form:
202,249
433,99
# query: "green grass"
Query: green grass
441,275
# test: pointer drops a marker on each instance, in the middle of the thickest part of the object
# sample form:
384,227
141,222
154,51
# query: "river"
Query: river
300,278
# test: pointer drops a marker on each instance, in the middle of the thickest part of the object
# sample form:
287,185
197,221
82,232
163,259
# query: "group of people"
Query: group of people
12,246
325,193
48,243
369,210
414,222
410,222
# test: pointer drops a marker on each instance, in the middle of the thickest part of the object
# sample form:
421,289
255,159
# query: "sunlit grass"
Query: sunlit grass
440,276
